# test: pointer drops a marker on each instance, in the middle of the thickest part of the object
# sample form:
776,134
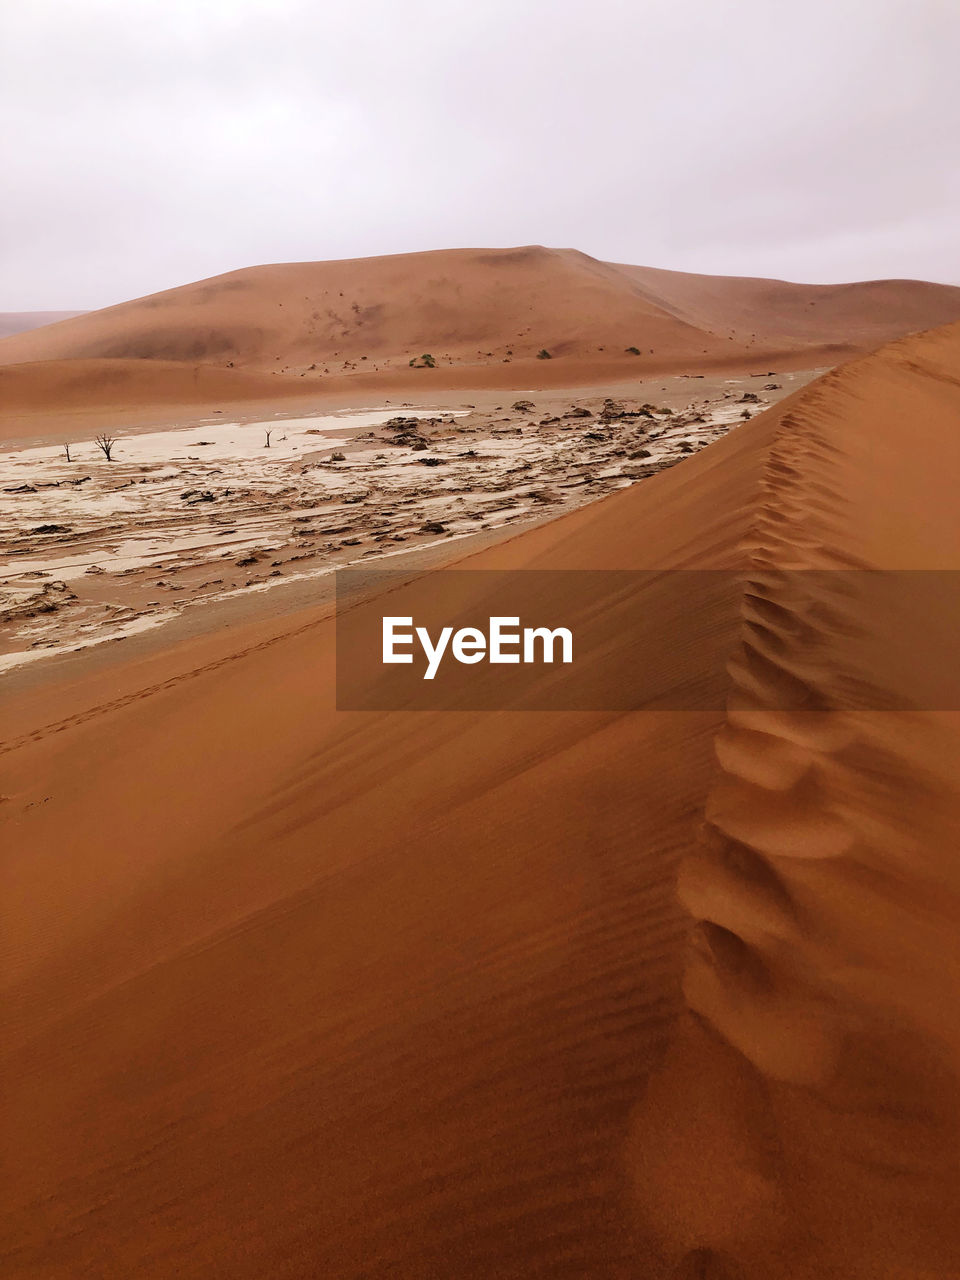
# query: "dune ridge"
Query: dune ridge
824,890
410,994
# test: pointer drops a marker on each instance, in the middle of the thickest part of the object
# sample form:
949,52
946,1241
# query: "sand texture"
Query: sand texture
291,993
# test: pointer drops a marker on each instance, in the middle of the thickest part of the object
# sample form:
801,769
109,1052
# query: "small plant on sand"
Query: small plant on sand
633,351
105,444
544,354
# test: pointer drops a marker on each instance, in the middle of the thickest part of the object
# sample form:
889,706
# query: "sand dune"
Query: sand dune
486,308
290,992
772,312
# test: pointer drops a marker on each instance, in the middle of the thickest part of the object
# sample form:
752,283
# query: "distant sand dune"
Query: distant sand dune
486,307
296,993
352,328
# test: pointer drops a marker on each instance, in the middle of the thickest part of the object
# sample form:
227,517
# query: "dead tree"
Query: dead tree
66,450
105,444
268,435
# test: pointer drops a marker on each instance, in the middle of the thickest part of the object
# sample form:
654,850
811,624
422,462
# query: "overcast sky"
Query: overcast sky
151,142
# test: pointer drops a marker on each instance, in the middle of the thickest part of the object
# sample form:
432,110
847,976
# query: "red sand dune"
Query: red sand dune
296,993
483,307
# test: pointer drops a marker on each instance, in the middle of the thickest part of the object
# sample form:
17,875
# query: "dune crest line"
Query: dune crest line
806,1120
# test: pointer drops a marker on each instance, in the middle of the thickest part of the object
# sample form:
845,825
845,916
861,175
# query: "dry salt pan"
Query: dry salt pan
187,515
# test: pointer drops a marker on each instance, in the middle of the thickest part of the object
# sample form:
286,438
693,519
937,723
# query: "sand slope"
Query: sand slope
484,307
293,993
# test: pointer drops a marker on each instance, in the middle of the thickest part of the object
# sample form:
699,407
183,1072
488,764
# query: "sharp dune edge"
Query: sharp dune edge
292,993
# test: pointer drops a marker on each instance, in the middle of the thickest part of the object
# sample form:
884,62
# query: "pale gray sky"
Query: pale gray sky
151,142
